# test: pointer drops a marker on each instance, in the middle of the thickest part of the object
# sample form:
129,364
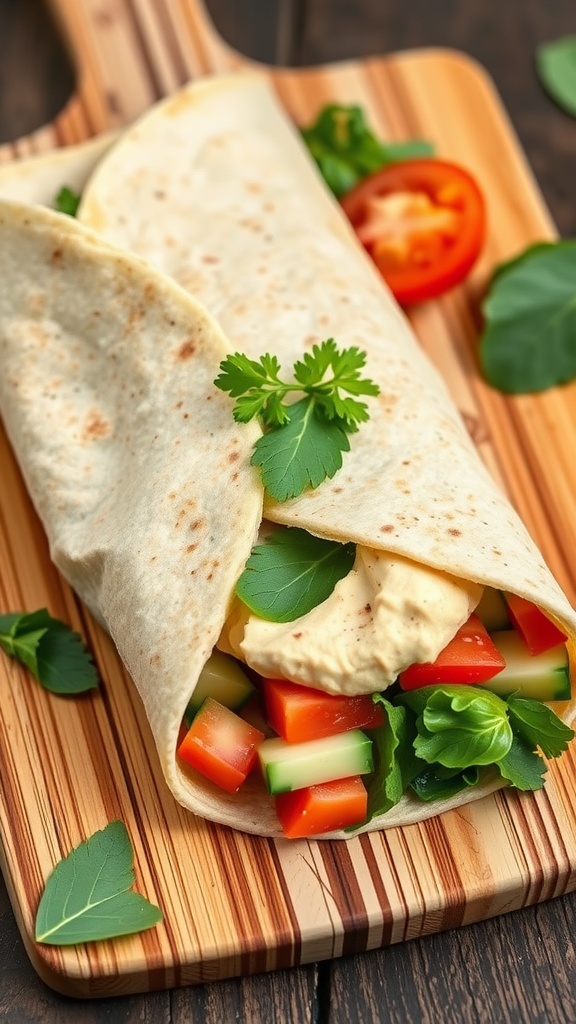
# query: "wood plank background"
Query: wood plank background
336,995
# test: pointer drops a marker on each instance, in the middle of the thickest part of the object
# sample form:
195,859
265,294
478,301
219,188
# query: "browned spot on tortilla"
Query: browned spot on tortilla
388,528
179,405
405,462
95,426
209,577
153,559
497,552
149,291
191,548
210,259
337,490
197,524
367,608
253,186
297,635
56,256
235,475
159,193
454,532
233,456
155,659
172,496
186,350
185,415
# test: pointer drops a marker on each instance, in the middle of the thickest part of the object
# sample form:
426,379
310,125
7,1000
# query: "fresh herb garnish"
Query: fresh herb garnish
88,896
346,150
539,726
396,761
292,573
67,201
556,66
438,783
50,650
529,343
522,767
304,442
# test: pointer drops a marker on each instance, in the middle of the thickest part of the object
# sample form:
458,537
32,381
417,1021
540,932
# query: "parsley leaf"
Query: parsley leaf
522,766
88,895
539,726
556,66
529,342
346,150
305,440
67,201
396,762
49,649
292,573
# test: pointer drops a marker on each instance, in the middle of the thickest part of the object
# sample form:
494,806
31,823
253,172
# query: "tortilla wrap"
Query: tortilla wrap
214,187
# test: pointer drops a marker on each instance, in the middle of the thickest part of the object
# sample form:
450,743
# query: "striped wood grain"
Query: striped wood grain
232,903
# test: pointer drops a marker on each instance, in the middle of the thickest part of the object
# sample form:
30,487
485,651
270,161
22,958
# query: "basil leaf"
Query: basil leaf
461,726
556,66
67,201
436,783
302,453
292,573
50,650
522,767
539,726
395,760
87,897
529,343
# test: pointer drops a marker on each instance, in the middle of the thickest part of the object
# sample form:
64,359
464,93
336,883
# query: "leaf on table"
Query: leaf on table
88,896
556,66
50,650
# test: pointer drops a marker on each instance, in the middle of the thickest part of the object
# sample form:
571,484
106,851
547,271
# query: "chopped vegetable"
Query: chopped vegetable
323,808
292,573
529,340
346,150
538,632
556,66
220,745
471,657
423,223
67,201
50,650
288,766
305,440
544,676
299,713
492,610
223,679
394,755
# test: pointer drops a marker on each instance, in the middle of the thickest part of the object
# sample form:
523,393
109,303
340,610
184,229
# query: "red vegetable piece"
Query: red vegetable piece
538,633
220,745
470,657
299,713
323,808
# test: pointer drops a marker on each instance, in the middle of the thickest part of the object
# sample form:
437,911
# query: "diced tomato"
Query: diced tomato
324,808
470,657
423,223
220,745
299,713
538,633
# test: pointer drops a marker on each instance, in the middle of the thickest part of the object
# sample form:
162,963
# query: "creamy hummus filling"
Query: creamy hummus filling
387,614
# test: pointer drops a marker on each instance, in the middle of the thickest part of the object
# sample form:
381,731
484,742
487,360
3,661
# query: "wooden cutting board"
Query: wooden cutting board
232,903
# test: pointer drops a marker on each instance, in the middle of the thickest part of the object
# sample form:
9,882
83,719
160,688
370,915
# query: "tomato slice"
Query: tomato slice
299,713
422,221
220,745
322,808
471,657
538,633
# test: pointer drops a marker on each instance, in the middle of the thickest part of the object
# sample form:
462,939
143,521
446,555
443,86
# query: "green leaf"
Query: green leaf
87,897
50,650
529,343
346,150
459,726
522,767
556,66
395,760
67,201
301,454
437,783
539,726
292,573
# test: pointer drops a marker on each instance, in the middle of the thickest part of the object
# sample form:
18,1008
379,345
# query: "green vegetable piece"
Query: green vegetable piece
346,150
437,783
556,66
304,444
395,760
50,650
529,343
67,201
522,767
539,726
87,897
459,726
292,573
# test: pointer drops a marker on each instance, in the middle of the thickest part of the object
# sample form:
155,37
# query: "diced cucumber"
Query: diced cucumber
288,766
493,610
222,679
544,677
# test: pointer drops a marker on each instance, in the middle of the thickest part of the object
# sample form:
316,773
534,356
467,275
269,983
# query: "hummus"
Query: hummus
388,613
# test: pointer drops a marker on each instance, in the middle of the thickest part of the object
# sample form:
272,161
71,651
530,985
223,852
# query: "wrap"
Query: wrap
214,188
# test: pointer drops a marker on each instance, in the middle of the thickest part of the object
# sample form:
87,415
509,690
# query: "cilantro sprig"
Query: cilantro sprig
305,439
50,650
67,201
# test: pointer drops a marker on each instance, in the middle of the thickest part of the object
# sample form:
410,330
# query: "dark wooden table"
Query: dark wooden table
516,968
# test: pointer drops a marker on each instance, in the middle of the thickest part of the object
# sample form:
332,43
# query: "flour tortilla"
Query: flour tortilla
214,188
39,178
